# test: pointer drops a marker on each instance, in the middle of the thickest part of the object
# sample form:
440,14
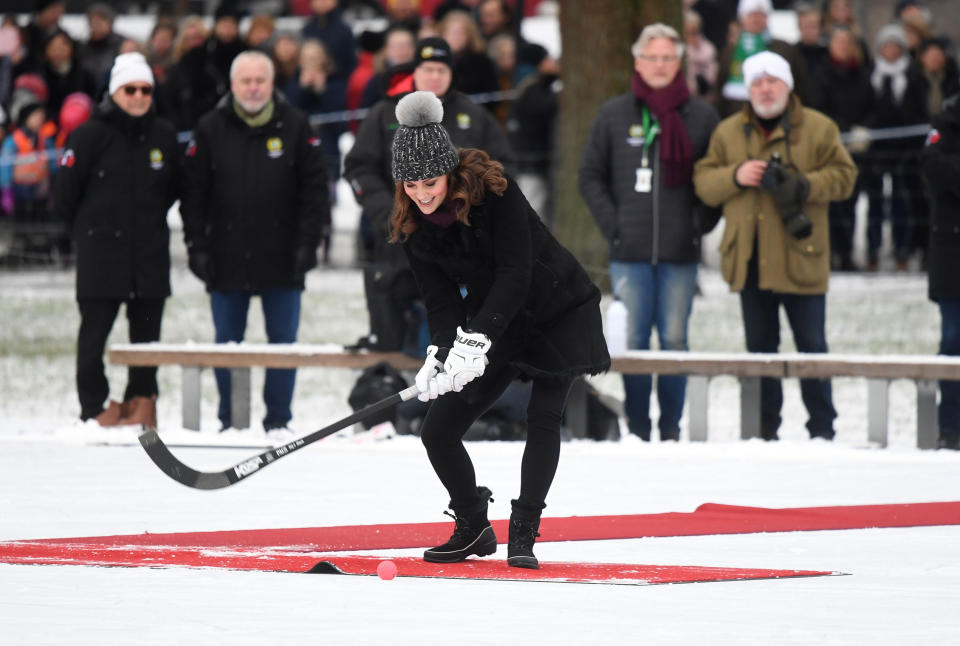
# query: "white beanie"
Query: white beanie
767,64
749,6
129,68
890,33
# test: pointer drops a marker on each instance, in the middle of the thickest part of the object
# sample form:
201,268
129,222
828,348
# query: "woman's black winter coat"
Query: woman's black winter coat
117,179
523,289
940,168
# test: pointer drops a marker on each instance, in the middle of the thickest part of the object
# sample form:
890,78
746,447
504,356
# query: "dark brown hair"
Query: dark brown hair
469,181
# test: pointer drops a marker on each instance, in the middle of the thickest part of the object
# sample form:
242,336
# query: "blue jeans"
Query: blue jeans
948,413
655,294
281,314
807,314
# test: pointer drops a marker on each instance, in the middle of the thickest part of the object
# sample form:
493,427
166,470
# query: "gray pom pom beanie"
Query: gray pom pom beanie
421,146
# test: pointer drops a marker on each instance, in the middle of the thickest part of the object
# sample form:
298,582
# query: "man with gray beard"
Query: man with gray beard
774,167
254,203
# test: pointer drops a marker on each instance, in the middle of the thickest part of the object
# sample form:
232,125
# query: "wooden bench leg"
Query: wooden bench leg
240,397
878,405
698,397
190,390
749,407
927,425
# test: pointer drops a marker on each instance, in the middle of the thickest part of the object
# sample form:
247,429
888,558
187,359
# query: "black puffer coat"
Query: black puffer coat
940,167
118,177
253,196
524,290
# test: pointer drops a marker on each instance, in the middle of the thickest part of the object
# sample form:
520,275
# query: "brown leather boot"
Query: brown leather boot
111,415
141,411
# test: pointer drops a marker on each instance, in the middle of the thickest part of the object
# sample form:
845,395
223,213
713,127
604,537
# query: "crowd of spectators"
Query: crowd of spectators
341,55
333,62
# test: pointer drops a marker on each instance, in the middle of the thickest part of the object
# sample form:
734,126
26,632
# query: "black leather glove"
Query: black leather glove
201,264
790,196
304,259
793,190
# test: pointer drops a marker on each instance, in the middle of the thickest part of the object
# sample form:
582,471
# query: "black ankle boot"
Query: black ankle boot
524,523
472,535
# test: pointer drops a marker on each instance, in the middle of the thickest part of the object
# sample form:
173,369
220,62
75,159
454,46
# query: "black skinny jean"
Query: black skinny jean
451,415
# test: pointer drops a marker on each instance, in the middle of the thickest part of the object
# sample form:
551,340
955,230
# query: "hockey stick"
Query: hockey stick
183,474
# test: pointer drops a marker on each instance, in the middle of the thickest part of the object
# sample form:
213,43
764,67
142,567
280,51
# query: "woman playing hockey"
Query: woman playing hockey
504,300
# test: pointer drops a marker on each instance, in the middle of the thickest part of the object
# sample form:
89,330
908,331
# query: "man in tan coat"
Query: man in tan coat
774,167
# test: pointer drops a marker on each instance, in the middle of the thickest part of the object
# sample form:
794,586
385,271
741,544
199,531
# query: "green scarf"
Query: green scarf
747,45
256,120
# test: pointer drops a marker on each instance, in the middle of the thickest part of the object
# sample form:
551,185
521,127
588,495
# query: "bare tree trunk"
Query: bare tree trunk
596,36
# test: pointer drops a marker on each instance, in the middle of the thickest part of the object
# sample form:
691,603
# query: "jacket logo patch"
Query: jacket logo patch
463,121
68,158
314,141
192,148
932,137
274,147
635,135
156,159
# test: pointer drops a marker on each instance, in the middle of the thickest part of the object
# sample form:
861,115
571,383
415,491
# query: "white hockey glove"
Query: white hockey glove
431,380
467,358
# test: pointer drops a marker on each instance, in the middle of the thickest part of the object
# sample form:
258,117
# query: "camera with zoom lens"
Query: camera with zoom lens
789,190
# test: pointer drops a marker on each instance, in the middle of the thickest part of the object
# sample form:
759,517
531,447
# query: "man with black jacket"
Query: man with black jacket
118,177
388,282
254,205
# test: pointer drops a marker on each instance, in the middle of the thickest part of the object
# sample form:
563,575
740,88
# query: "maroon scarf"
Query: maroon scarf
446,213
676,151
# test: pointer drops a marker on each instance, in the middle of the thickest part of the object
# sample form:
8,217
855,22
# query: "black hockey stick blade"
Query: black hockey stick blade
185,475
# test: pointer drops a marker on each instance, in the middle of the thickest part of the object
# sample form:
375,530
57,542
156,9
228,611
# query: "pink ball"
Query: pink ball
387,570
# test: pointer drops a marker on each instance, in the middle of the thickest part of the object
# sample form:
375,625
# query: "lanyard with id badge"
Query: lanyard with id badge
645,173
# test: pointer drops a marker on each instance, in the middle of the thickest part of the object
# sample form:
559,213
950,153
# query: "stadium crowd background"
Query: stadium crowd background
347,43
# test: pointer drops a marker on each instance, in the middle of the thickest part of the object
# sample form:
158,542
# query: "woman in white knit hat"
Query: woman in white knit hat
118,177
504,300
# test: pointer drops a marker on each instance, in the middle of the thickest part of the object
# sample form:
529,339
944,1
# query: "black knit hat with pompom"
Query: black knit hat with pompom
421,146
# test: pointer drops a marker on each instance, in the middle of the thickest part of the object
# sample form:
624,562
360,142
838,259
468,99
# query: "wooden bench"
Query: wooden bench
879,371
239,358
700,367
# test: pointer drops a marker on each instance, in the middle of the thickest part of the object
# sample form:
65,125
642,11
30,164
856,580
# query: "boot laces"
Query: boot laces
463,529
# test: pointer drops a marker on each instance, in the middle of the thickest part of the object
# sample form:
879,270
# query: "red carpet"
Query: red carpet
32,553
296,550
709,518
497,569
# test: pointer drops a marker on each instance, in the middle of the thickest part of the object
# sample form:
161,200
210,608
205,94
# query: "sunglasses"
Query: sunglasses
130,90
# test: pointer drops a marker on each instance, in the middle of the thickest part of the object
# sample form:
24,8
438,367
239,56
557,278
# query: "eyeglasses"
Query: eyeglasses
130,90
666,60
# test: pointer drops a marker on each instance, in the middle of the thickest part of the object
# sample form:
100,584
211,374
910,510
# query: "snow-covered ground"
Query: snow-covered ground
903,585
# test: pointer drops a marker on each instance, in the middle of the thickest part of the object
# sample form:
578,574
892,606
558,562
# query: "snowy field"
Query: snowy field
902,585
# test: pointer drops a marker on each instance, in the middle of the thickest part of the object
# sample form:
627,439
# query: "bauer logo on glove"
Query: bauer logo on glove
470,341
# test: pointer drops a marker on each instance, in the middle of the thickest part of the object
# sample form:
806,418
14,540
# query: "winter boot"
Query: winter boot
524,523
140,411
472,535
111,415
